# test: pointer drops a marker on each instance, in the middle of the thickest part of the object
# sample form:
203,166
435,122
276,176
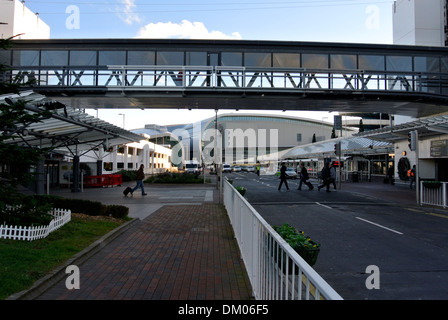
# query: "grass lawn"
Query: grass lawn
24,262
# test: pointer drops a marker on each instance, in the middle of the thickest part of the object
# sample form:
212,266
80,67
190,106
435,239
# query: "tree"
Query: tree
333,134
361,126
15,160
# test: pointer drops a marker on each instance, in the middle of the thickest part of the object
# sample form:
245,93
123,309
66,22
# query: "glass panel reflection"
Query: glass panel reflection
232,59
257,59
112,57
141,58
315,61
25,58
196,58
286,60
398,63
82,58
54,58
343,61
174,58
371,62
426,64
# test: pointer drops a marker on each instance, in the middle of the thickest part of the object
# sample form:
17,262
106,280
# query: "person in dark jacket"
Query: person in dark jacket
140,177
283,176
304,177
326,178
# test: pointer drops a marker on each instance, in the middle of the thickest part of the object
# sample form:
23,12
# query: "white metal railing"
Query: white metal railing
433,194
275,270
31,233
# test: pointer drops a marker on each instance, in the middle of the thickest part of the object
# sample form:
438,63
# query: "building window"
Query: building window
107,166
299,137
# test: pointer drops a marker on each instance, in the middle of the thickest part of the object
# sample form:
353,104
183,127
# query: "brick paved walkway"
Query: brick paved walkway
180,252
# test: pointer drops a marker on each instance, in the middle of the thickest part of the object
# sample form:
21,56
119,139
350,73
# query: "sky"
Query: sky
350,21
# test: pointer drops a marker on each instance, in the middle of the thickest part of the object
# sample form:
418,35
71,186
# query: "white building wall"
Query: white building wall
419,22
17,19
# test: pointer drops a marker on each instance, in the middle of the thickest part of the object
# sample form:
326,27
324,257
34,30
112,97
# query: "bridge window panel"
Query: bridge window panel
398,63
343,61
444,64
286,60
257,59
232,59
82,58
400,81
196,58
141,58
173,58
54,57
314,61
25,58
427,64
371,62
111,58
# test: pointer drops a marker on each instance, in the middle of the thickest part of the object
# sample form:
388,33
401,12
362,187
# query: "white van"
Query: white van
192,167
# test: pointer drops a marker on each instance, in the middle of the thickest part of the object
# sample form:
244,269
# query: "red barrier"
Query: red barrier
104,180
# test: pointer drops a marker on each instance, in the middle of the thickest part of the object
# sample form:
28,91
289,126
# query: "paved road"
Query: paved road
357,229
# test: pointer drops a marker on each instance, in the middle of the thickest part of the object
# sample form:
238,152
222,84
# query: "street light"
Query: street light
122,114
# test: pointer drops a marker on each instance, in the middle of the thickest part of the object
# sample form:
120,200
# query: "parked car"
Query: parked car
236,168
290,173
249,169
226,168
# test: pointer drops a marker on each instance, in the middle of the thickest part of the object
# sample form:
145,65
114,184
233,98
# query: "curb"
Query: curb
43,284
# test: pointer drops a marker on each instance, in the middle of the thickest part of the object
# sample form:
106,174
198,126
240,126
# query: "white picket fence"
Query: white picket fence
30,233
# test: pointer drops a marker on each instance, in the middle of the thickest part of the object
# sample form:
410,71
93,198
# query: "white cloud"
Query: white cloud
183,30
129,16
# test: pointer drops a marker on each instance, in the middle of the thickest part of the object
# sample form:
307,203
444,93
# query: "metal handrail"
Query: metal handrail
262,247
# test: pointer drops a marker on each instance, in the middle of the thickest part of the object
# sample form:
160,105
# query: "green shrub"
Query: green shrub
168,177
29,212
91,208
116,211
241,190
34,210
128,175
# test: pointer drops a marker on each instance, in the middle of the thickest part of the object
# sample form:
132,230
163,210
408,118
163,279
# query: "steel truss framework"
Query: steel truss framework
235,74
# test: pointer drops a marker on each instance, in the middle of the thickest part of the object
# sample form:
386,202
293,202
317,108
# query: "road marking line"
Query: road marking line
437,215
378,225
322,205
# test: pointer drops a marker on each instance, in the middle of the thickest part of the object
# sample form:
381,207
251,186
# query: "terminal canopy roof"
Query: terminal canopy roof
426,127
350,146
62,128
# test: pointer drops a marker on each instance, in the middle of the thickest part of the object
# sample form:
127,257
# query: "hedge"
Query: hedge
91,208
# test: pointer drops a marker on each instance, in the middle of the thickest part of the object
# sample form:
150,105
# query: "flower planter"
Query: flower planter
303,245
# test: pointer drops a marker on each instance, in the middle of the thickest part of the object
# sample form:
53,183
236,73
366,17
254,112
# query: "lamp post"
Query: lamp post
122,114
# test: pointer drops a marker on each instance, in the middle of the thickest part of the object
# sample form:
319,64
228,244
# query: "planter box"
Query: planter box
306,248
308,254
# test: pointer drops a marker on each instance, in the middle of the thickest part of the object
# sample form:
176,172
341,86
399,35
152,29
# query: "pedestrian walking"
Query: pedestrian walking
332,176
325,178
283,177
304,178
140,177
411,173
